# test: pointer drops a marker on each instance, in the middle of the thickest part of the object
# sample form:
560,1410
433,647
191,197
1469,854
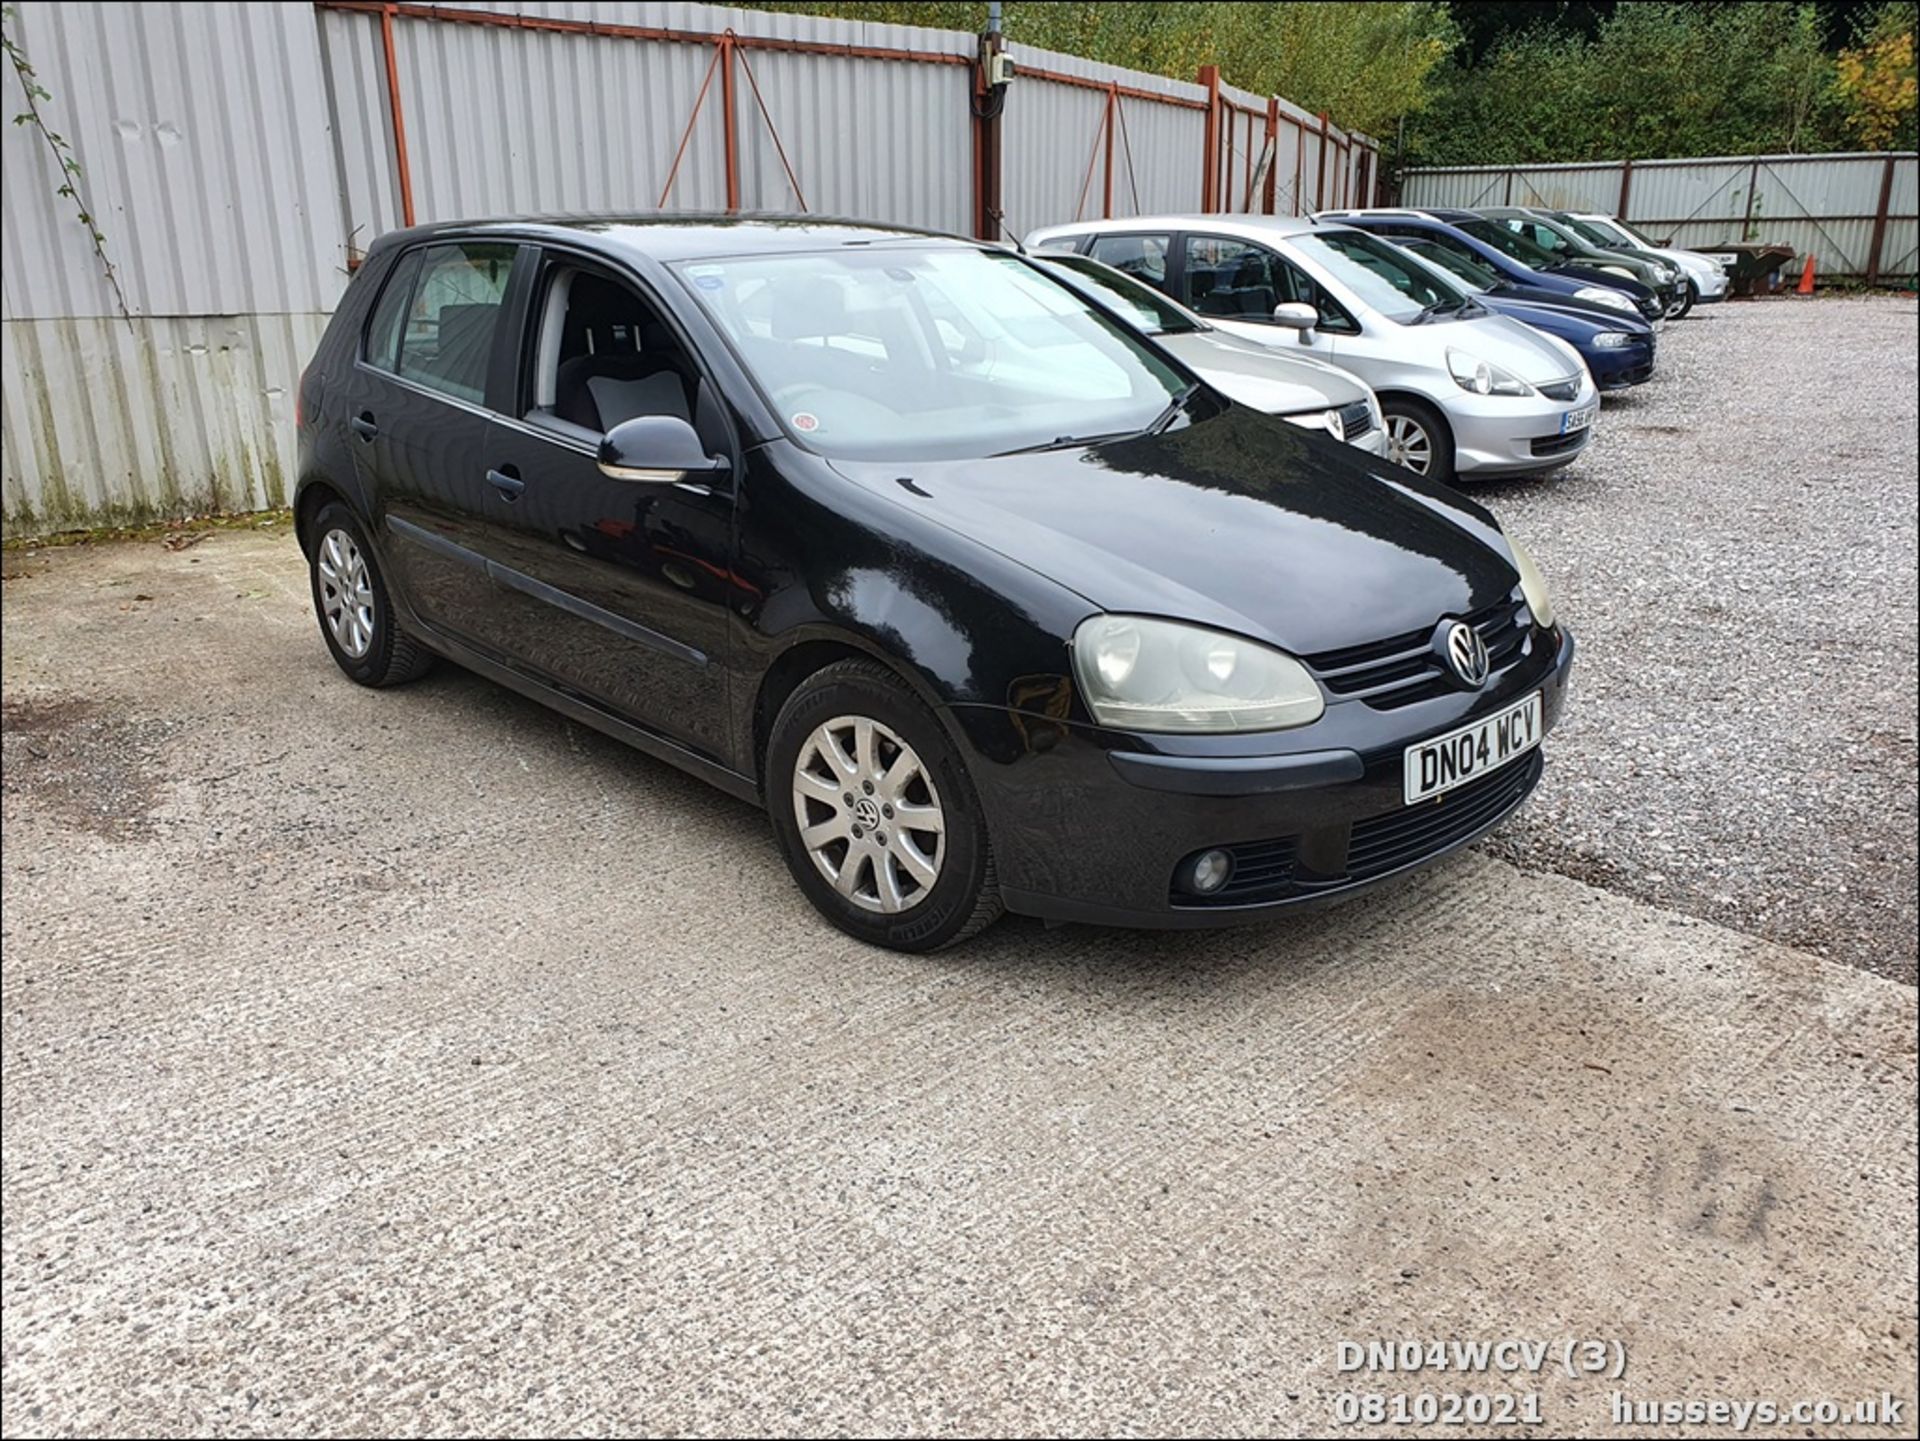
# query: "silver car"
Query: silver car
1706,274
1463,391
1308,392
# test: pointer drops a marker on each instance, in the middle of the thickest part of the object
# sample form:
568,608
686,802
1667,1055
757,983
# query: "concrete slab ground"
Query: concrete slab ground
417,1062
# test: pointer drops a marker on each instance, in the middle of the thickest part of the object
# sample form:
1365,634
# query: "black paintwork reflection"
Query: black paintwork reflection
1240,521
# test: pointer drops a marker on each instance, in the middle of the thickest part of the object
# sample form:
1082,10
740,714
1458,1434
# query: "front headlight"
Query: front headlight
1160,675
1327,420
1612,340
1472,373
1532,584
1600,295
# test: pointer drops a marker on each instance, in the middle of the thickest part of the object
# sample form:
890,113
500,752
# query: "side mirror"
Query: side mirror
656,449
1296,315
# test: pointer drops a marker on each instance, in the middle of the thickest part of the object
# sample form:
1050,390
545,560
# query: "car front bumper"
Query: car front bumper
1091,825
1511,435
1618,369
1710,289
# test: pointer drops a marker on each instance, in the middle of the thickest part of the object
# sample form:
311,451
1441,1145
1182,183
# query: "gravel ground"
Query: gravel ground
1737,558
414,1062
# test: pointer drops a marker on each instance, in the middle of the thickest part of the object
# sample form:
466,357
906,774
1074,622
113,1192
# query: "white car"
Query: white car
1463,391
1706,274
1308,392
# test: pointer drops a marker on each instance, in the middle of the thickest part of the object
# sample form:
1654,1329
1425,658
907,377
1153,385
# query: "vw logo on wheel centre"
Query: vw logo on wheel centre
1467,653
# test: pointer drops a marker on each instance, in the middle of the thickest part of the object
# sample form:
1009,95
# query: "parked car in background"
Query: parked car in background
1706,275
1618,348
1666,281
1520,282
1464,391
1308,392
1518,248
990,602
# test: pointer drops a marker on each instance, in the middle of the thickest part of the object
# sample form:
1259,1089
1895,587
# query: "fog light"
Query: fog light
1207,872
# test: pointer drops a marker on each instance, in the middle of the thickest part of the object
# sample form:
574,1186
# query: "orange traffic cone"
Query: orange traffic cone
1805,287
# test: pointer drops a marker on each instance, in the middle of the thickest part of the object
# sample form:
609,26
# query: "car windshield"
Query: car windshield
918,352
1509,243
1600,232
1632,234
1380,275
1467,274
1146,308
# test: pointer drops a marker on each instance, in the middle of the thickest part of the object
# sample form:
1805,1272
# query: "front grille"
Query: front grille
1356,419
1548,445
1561,389
1404,669
1399,838
1267,871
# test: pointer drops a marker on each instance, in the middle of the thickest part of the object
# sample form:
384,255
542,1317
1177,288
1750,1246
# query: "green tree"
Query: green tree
1877,84
1365,64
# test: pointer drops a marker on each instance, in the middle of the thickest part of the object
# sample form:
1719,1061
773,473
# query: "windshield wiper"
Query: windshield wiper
1439,307
1069,442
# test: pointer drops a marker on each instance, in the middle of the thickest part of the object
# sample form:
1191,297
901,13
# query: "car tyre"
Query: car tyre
1417,432
1688,297
351,601
875,813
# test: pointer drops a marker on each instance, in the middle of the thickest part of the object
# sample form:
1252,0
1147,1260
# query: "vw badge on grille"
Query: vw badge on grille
1467,654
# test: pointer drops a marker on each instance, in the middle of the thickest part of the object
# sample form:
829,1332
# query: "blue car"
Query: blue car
1524,271
1617,347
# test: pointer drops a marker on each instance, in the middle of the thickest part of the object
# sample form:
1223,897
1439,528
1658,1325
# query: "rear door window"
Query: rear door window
1144,257
389,314
447,342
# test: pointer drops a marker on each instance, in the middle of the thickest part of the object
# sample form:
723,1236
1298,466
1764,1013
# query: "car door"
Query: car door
1238,283
618,589
417,405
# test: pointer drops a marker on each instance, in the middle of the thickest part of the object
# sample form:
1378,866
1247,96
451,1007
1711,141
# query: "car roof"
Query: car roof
685,236
1267,225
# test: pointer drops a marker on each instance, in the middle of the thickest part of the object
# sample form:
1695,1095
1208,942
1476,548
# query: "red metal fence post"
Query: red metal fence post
1210,159
1880,225
1106,202
1320,180
399,118
729,121
1270,191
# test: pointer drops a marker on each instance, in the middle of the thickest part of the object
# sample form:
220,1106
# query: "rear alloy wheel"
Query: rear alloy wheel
356,614
875,812
1418,438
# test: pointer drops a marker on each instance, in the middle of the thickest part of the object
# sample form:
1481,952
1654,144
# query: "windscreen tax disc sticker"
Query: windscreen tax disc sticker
805,420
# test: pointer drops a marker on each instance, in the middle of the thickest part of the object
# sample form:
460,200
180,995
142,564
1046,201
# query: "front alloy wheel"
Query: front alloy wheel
879,821
1417,437
869,814
1409,444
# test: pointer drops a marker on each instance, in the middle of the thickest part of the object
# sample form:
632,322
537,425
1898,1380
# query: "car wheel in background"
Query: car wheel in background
1687,298
1417,437
875,813
350,598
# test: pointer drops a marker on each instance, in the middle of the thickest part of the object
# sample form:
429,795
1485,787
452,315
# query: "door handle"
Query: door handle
363,425
507,483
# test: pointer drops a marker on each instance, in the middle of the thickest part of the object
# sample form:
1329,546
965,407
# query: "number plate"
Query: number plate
1578,419
1435,767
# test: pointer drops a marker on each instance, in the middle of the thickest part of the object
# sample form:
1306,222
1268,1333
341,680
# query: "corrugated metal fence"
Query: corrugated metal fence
239,156
1856,215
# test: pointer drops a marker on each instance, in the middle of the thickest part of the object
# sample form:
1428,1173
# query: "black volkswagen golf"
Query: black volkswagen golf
989,601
